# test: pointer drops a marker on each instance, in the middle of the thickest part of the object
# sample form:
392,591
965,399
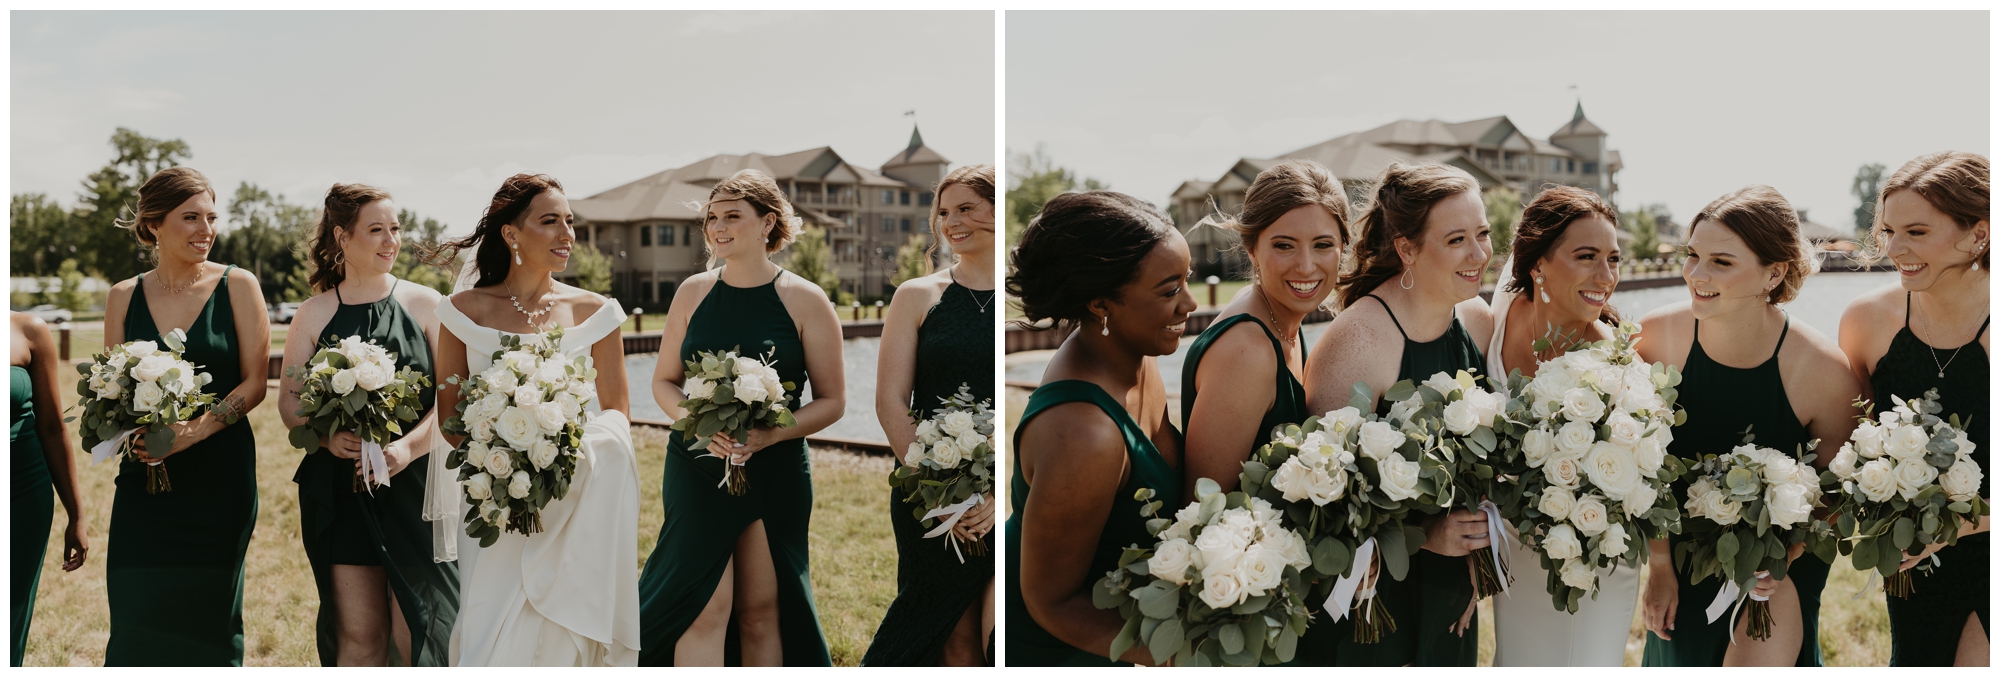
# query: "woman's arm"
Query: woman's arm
1234,389
896,365
55,439
826,370
608,356
450,364
300,346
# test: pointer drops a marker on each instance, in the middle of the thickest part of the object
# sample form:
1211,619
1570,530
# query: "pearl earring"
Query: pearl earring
1544,290
1107,324
517,253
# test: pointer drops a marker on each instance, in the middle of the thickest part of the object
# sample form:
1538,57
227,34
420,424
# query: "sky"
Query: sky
1700,104
439,107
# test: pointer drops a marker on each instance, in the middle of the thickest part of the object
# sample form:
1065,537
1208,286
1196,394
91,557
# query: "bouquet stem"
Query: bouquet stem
1485,574
156,479
1371,621
976,546
1899,584
1760,619
739,484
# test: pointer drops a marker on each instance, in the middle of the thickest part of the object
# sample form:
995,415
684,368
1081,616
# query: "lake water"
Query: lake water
857,423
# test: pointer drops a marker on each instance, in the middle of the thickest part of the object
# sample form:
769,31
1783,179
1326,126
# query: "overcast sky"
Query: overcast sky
1700,103
438,107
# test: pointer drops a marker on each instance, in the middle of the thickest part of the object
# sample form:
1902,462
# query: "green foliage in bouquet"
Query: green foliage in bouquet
1901,486
510,466
375,415
720,407
941,468
114,394
1745,509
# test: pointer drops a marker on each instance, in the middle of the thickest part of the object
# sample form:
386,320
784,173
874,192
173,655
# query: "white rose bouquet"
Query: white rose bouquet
522,420
1222,586
1352,485
1901,485
1588,478
1745,509
354,385
731,393
139,385
949,469
1462,425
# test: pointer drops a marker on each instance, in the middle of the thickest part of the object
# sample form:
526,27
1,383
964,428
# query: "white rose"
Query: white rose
584,392
1538,445
1574,438
750,390
1293,479
1485,405
1460,417
1964,444
519,361
1556,503
567,405
107,387
518,427
1877,480
1590,516
371,377
499,462
968,443
501,514
519,485
1789,504
957,423
549,418
501,380
1907,442
1171,560
1261,569
1340,420
946,453
1961,482
698,388
1220,591
1296,552
476,453
1580,404
552,371
1401,412
1578,574
1913,475
1399,477
480,487
1615,542
1327,485
1625,430
927,431
1716,506
1379,440
1649,454
527,395
1640,500
1562,472
343,381
148,396
141,348
1216,550
542,454
914,457
1612,470
1561,543
482,430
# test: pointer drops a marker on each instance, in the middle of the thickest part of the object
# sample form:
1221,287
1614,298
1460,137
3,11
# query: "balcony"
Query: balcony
836,200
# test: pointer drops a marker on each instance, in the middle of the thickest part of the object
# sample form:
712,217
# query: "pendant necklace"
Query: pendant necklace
1934,359
975,297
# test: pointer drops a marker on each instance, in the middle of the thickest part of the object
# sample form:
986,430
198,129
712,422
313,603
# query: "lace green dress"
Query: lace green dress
1028,644
33,507
383,527
1721,402
174,560
933,588
702,521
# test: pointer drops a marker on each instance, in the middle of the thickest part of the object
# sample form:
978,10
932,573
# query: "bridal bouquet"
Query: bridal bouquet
523,423
1463,425
1353,485
1221,586
1902,485
731,393
1591,477
137,384
949,469
1745,509
354,385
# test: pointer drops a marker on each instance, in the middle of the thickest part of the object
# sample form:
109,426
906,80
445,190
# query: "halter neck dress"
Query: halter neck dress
33,507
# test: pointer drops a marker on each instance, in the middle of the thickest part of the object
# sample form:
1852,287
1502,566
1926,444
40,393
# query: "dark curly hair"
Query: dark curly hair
1081,248
1544,221
489,248
343,206
1400,207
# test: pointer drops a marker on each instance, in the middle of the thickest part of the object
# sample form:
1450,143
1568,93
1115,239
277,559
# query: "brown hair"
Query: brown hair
1082,247
1958,183
1400,207
1544,221
979,178
343,207
764,196
1769,225
1280,189
158,197
489,248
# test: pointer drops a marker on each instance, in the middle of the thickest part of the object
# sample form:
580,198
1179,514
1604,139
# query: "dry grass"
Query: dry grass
853,555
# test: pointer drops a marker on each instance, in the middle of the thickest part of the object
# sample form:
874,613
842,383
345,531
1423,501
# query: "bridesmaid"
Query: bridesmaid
43,466
723,562
370,551
1422,249
1111,270
1745,256
939,336
175,573
1559,283
1933,225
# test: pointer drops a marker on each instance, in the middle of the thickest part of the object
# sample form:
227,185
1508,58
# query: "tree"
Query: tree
1645,230
38,235
114,189
593,268
420,235
812,260
69,292
1867,185
268,237
1503,210
911,261
1036,179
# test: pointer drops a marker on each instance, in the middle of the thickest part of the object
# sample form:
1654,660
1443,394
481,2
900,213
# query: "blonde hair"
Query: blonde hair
158,197
1958,183
1276,192
1769,225
1400,207
764,196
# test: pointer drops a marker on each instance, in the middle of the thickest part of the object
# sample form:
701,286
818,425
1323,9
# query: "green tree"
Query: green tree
113,190
1867,184
1503,210
813,260
1036,179
38,235
420,236
592,267
1645,230
268,236
911,262
69,293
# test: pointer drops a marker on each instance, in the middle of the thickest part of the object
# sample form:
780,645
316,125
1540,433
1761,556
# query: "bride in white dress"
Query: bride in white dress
1568,240
569,595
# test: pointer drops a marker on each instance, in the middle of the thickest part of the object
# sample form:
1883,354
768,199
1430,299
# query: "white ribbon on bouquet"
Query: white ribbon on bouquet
1728,599
729,460
1499,533
374,466
1357,578
952,513
109,448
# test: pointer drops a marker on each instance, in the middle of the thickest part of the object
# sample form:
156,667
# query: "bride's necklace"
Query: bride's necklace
162,279
975,297
532,316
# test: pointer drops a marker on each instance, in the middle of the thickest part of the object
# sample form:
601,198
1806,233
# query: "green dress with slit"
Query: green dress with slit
33,507
1028,644
1437,588
702,522
383,527
1721,402
174,560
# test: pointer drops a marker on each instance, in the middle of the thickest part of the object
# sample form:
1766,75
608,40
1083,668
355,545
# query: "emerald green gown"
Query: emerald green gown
1437,589
33,507
1028,644
702,521
1721,402
174,560
385,527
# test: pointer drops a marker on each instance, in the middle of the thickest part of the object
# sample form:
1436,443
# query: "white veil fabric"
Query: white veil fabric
1496,368
443,497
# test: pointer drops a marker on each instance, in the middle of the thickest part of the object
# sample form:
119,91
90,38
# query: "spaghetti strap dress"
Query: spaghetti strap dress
702,521
1924,628
384,526
1437,588
1721,402
1028,644
934,588
174,560
33,507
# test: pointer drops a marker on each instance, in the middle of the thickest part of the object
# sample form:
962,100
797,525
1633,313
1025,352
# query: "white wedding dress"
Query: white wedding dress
1531,632
569,595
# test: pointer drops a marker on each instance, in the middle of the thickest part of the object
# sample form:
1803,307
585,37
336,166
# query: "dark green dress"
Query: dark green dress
702,521
1721,402
1028,645
1437,588
384,528
174,560
933,589
33,507
1924,628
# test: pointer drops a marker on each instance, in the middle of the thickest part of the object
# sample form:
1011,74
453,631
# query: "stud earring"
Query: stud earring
517,253
1107,324
1544,290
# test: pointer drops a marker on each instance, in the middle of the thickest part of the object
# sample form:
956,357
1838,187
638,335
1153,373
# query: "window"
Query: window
888,224
906,198
687,233
849,219
906,222
666,290
645,292
1570,166
1590,168
888,196
924,199
666,236
645,236
1555,165
583,235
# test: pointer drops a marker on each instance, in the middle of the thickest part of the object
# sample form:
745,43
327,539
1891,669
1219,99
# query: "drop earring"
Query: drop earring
1407,282
517,253
1543,289
1107,324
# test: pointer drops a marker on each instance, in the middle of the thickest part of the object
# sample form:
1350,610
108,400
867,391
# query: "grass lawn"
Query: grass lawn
853,555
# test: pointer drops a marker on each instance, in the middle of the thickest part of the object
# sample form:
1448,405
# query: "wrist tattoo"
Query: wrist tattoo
230,409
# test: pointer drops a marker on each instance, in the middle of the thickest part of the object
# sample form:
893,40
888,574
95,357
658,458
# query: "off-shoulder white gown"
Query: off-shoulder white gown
568,596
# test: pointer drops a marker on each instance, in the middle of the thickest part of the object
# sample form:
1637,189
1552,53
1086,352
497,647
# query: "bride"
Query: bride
569,595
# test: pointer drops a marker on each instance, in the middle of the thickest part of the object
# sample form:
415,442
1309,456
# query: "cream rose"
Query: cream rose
1640,500
542,454
946,453
501,380
1907,442
1625,430
1582,405
1399,477
370,376
1460,417
567,405
1574,438
480,487
968,443
1913,475
1538,445
957,423
1260,569
1877,480
1379,440
1327,485
1590,516
1612,470
915,455
1562,472
518,427
482,430
518,486
927,432
1221,590
698,388
1561,543
152,367
1293,479
141,348
1717,507
1649,454
750,389
1961,481
1556,502
1615,542
1578,574
1789,504
148,396
499,462
552,371
1340,420
342,382
1216,550
1844,462
1171,560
